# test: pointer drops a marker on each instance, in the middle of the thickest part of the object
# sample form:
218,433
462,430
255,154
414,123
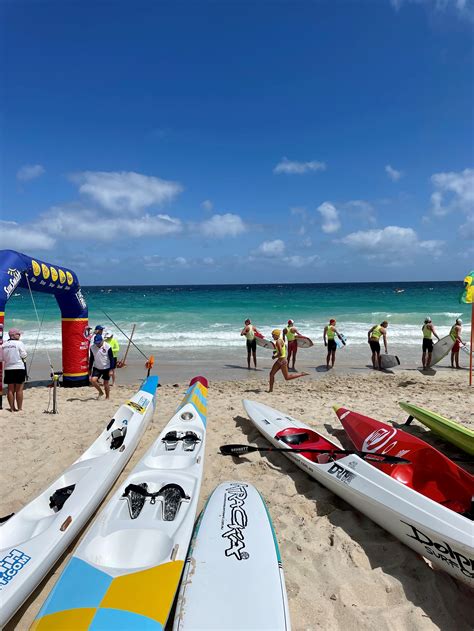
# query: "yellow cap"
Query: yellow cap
276,332
336,407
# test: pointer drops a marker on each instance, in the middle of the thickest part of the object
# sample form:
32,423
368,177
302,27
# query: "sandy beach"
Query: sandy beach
341,569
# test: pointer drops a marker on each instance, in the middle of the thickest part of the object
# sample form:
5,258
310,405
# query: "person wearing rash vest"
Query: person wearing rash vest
374,334
100,360
281,363
455,334
291,333
249,331
428,331
329,337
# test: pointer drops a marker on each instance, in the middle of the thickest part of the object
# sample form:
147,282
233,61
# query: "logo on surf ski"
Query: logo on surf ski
341,473
378,439
14,280
235,497
11,565
442,551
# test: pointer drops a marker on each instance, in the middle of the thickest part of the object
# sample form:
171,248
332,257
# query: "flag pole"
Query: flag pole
472,340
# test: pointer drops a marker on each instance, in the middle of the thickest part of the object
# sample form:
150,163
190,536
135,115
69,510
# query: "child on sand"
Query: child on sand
281,362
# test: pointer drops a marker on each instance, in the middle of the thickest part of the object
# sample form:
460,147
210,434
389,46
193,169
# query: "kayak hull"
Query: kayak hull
34,538
125,572
234,556
430,472
451,431
431,530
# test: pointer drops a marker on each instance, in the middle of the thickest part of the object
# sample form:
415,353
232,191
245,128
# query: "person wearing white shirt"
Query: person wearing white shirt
100,362
14,355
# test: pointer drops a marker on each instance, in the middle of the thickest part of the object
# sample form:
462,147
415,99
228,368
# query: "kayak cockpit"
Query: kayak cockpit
299,438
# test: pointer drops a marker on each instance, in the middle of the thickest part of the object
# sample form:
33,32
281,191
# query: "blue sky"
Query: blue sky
221,142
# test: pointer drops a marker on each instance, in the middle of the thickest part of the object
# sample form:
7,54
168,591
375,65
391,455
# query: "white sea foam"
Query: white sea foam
222,335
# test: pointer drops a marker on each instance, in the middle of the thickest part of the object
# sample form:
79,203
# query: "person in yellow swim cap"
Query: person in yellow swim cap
281,363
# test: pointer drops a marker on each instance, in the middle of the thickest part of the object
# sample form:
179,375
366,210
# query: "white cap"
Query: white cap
427,319
458,321
108,334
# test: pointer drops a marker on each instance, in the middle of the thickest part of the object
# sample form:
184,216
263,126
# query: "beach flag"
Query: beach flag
467,297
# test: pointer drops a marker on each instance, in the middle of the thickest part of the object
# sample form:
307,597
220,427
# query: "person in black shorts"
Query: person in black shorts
100,361
329,338
427,348
250,331
14,355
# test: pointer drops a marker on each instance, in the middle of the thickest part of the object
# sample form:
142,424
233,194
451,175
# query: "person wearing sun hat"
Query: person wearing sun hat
14,355
281,363
329,337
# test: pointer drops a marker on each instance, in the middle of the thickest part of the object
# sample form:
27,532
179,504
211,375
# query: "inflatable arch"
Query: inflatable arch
20,270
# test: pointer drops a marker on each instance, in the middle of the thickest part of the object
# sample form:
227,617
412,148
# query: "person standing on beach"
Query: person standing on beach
281,363
455,334
291,333
330,333
428,331
115,346
374,335
14,355
100,361
249,331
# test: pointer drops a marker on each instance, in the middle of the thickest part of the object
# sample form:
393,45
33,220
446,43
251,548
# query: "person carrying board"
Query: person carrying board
291,333
427,348
374,334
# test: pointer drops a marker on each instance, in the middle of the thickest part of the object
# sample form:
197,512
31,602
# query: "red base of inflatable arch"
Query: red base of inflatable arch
75,352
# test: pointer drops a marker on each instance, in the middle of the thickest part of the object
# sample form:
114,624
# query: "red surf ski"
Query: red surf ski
430,473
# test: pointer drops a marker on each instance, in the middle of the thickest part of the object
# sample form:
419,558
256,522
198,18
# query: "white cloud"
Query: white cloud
464,8
301,261
208,260
466,230
75,222
293,167
14,236
271,248
363,209
207,205
330,217
219,226
29,172
392,173
126,191
454,192
392,244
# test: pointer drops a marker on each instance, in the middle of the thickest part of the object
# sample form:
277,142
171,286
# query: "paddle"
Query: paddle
240,450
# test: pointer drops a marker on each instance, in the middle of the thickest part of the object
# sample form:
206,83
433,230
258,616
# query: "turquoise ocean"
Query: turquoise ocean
211,316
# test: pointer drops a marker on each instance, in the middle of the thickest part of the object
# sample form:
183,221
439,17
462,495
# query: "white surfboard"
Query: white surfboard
441,349
304,342
33,540
125,572
339,343
233,579
264,343
389,361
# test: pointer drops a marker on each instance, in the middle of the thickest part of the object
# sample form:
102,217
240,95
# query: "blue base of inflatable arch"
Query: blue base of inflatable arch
75,382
